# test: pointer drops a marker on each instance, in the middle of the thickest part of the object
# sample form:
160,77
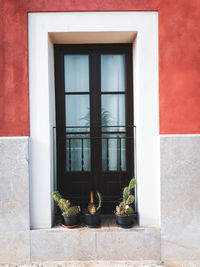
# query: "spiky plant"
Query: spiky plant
99,199
65,205
72,211
92,209
56,196
124,207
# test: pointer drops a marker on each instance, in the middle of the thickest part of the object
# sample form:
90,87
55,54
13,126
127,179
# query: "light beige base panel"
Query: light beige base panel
180,199
86,264
14,200
60,244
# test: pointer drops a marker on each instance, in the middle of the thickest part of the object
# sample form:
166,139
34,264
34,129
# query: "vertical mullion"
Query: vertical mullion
60,116
70,156
95,98
92,119
99,130
107,147
129,112
82,155
120,154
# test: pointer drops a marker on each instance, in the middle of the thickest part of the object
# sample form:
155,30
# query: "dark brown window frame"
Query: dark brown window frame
94,51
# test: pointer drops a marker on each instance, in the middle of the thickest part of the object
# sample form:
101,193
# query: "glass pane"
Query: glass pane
78,152
113,112
113,152
112,73
76,73
77,112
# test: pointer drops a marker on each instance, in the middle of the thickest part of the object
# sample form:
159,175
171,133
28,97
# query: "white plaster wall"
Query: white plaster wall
42,105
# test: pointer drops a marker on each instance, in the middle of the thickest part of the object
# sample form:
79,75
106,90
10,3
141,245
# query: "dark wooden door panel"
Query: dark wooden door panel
105,162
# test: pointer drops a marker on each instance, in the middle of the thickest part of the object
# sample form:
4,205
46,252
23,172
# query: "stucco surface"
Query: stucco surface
179,59
180,201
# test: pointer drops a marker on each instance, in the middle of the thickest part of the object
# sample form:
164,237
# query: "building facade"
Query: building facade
62,66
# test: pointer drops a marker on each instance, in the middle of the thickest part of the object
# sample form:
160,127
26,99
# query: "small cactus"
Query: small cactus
92,209
126,193
124,207
72,211
56,196
132,183
65,205
130,200
99,199
129,210
118,209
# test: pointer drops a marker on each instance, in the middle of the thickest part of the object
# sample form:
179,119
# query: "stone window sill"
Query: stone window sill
107,224
109,242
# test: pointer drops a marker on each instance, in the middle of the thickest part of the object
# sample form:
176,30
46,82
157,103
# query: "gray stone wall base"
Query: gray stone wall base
87,264
180,198
15,247
101,244
14,200
178,242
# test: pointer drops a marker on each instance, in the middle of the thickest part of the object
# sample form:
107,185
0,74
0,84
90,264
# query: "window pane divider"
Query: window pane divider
77,133
77,93
113,92
123,132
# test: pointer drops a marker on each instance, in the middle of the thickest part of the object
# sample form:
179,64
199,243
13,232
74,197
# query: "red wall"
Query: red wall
179,59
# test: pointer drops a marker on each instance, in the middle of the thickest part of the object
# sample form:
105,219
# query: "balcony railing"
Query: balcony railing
116,143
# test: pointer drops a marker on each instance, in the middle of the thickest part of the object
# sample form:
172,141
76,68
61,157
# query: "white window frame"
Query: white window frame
44,29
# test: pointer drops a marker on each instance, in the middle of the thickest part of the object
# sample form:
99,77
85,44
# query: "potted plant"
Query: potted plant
92,214
71,214
124,212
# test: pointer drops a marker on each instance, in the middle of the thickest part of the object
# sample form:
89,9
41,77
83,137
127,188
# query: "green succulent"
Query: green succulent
72,211
99,199
122,205
65,205
132,183
126,193
118,210
129,210
128,199
56,196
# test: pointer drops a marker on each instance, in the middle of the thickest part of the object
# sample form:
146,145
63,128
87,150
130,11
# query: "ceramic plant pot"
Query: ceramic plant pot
125,221
92,220
72,221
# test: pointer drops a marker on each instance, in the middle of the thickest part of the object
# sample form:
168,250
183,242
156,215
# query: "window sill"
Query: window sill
108,223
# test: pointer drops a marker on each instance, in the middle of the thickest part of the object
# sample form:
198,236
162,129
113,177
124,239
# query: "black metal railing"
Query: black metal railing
117,143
